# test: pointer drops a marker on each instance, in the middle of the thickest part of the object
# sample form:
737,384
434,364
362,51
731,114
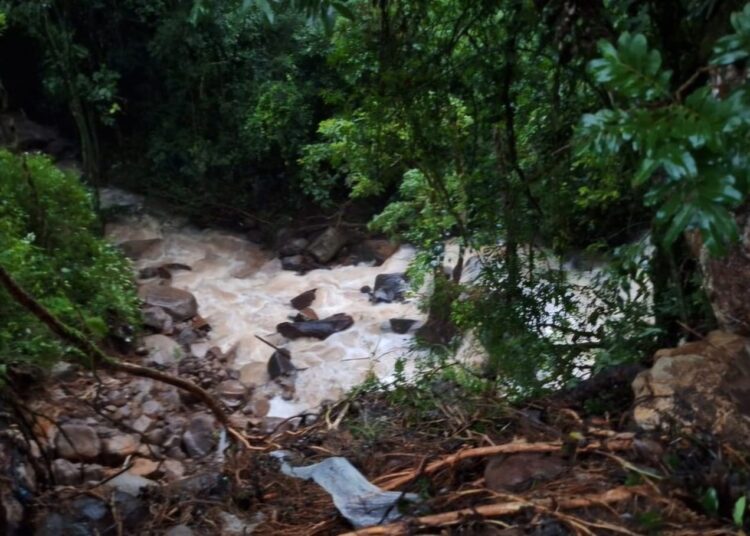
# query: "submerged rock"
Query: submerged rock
318,329
137,249
180,304
401,325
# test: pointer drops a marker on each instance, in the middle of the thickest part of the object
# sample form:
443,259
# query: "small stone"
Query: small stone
144,467
173,469
152,407
156,437
199,438
66,473
117,448
93,472
520,471
142,424
157,318
261,407
78,442
401,325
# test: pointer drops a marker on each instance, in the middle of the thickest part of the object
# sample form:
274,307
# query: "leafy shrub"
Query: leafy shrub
49,242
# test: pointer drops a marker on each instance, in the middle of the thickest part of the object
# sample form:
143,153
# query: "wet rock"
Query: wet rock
520,471
297,263
366,290
232,393
318,329
389,288
137,249
304,300
78,442
294,246
700,386
401,325
66,473
188,336
280,364
163,351
130,483
157,319
254,374
179,304
117,448
199,439
327,245
375,250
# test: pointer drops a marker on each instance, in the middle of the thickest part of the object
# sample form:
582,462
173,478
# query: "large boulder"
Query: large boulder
375,250
701,386
318,329
180,304
726,279
327,245
163,351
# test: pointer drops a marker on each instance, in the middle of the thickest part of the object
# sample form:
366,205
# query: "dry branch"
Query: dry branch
389,482
615,495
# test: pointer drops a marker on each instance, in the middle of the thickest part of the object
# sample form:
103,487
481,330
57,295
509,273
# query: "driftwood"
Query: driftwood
619,494
99,357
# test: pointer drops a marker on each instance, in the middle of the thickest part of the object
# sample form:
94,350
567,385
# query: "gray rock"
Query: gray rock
130,483
280,364
157,319
142,424
117,448
78,442
297,263
328,244
199,439
179,304
67,473
152,408
163,351
156,437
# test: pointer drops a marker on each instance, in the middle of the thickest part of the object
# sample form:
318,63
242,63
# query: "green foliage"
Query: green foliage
691,150
49,242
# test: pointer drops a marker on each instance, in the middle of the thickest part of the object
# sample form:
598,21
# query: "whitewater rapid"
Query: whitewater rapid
242,292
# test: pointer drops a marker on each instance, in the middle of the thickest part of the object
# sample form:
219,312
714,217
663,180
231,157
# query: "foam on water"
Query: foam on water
242,292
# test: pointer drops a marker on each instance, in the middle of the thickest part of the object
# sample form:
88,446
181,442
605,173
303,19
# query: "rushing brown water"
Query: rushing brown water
242,292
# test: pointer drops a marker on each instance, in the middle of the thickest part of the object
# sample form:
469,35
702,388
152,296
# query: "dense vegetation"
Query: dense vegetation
523,129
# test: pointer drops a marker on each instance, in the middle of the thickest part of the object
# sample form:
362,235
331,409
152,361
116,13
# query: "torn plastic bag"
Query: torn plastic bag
359,501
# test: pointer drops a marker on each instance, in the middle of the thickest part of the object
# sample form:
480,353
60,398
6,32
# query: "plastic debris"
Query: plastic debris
359,501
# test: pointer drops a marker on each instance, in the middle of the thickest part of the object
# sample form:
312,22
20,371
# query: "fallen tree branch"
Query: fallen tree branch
97,355
406,526
392,481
